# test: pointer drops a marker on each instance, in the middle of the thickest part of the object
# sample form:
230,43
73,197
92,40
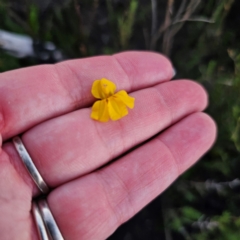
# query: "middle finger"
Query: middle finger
72,145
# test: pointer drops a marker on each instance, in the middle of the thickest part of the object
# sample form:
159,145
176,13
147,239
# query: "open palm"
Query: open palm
91,196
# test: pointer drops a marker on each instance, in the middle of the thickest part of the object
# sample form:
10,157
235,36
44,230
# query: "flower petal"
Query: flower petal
103,88
116,108
125,98
100,111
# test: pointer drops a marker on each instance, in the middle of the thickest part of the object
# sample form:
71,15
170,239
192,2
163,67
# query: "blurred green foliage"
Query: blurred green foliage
206,50
125,24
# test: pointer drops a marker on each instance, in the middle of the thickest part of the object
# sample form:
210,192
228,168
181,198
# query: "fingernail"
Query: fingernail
174,72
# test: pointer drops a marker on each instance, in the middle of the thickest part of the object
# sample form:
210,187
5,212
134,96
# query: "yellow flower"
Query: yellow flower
112,105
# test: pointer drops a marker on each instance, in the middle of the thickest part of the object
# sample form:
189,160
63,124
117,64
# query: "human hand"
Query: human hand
91,196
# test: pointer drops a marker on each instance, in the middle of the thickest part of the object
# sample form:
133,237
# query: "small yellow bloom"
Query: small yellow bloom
112,105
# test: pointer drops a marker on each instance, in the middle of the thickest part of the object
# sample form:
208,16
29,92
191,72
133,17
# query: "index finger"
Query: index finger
32,95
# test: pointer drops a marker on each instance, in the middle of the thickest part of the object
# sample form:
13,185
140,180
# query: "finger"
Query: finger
73,145
99,202
15,203
32,95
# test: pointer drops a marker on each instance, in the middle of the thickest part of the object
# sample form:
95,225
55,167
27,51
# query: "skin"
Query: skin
92,195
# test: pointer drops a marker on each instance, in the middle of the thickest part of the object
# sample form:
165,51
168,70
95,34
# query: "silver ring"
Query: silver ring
42,233
28,163
49,221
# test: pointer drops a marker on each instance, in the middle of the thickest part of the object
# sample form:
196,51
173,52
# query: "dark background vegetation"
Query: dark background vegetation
202,38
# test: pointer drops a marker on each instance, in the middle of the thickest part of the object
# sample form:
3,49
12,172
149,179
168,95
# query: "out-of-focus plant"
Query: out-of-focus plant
125,24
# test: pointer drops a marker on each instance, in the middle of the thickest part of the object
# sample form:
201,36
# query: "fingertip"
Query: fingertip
190,139
201,131
182,97
210,129
196,91
153,67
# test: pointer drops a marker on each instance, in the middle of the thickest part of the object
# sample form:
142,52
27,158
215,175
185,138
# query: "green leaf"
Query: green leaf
190,213
33,19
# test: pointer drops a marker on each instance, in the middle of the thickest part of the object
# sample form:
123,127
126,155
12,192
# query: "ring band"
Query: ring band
42,233
49,221
22,152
